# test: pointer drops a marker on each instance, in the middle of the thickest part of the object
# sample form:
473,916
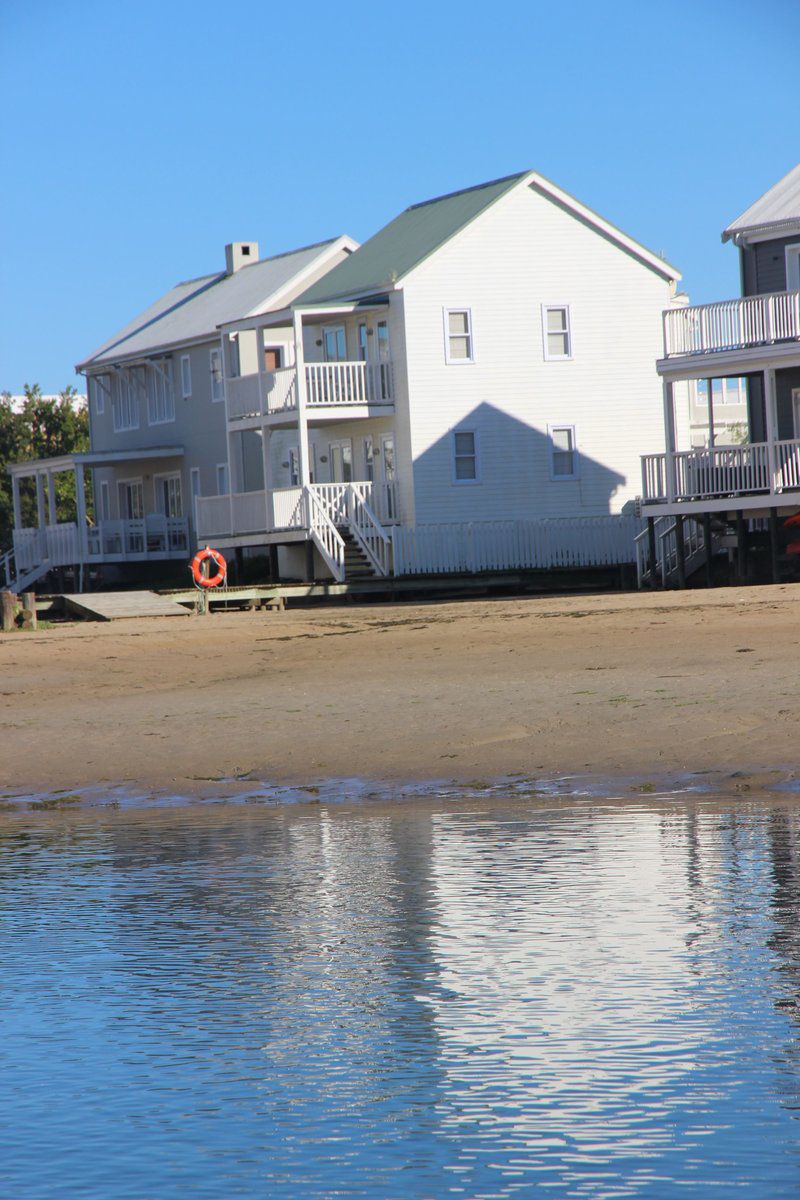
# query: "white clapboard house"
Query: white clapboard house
157,423
469,390
719,483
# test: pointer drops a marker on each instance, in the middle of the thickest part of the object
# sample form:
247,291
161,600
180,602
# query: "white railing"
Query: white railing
348,383
249,512
654,476
280,388
546,544
732,324
243,396
787,465
722,471
368,532
287,507
381,497
62,544
324,534
213,517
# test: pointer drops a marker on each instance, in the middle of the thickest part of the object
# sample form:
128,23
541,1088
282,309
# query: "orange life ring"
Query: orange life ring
794,519
197,568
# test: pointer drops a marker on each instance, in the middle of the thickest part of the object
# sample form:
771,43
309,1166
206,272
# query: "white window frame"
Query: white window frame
105,501
293,456
121,483
125,403
186,376
476,456
99,395
792,259
368,450
166,477
575,473
458,362
223,467
216,374
194,488
547,308
161,393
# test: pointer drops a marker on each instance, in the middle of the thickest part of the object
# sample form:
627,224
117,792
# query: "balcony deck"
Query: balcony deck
260,514
748,323
333,390
767,472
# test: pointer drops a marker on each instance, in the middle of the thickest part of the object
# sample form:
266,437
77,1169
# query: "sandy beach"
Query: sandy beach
620,685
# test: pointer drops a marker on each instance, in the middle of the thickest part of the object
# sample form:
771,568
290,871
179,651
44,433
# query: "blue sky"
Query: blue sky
138,138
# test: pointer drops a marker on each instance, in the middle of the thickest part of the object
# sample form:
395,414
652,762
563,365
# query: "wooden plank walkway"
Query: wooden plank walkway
113,606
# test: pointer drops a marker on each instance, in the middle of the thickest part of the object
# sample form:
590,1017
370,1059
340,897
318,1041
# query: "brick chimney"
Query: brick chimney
240,254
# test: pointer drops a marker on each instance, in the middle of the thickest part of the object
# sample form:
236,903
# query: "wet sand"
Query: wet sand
634,686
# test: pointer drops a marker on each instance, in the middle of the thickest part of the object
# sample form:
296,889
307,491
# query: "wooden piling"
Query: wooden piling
8,611
29,618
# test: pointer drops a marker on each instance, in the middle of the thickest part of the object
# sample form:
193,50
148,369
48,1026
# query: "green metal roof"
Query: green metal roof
404,242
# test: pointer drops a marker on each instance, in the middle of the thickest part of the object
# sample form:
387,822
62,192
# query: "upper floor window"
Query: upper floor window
793,268
465,456
217,386
556,331
160,393
125,398
186,376
563,455
458,335
99,387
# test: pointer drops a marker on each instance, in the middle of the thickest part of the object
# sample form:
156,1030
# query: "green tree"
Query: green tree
43,428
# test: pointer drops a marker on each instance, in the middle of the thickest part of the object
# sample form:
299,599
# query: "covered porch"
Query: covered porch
84,534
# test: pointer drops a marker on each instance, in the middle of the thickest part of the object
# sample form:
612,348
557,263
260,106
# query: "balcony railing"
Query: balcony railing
328,385
758,468
732,324
153,536
243,513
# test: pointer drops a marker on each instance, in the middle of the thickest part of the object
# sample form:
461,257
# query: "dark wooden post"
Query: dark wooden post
773,545
741,546
274,569
651,550
29,618
8,611
309,561
680,552
707,544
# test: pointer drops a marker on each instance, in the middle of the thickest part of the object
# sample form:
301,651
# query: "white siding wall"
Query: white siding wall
522,253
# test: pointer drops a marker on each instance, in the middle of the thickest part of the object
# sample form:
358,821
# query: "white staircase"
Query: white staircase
328,512
11,581
664,571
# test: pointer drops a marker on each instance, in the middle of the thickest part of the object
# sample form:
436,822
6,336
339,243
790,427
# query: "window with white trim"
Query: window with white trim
563,455
294,467
186,376
160,393
125,398
465,456
556,331
105,501
169,497
458,347
222,479
99,384
369,458
793,268
217,384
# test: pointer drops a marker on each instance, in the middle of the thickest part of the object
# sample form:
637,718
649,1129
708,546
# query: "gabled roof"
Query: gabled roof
394,251
193,310
778,207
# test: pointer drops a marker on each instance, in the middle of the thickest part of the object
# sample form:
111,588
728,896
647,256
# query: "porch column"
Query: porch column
16,501
771,423
300,384
262,394
669,439
266,459
711,437
40,512
51,499
80,499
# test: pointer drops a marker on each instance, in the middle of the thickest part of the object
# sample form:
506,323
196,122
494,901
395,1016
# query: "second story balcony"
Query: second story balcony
728,325
333,390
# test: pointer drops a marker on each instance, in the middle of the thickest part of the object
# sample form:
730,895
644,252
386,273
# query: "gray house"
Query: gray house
157,421
732,492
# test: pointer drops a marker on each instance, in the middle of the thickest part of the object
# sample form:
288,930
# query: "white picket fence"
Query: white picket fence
506,545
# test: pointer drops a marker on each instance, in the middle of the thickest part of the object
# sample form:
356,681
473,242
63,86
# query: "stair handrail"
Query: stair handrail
368,531
7,569
324,534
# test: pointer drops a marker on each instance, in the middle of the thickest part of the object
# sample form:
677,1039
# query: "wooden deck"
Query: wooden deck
114,606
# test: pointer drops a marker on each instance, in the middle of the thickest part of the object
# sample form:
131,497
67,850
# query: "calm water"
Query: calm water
502,999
